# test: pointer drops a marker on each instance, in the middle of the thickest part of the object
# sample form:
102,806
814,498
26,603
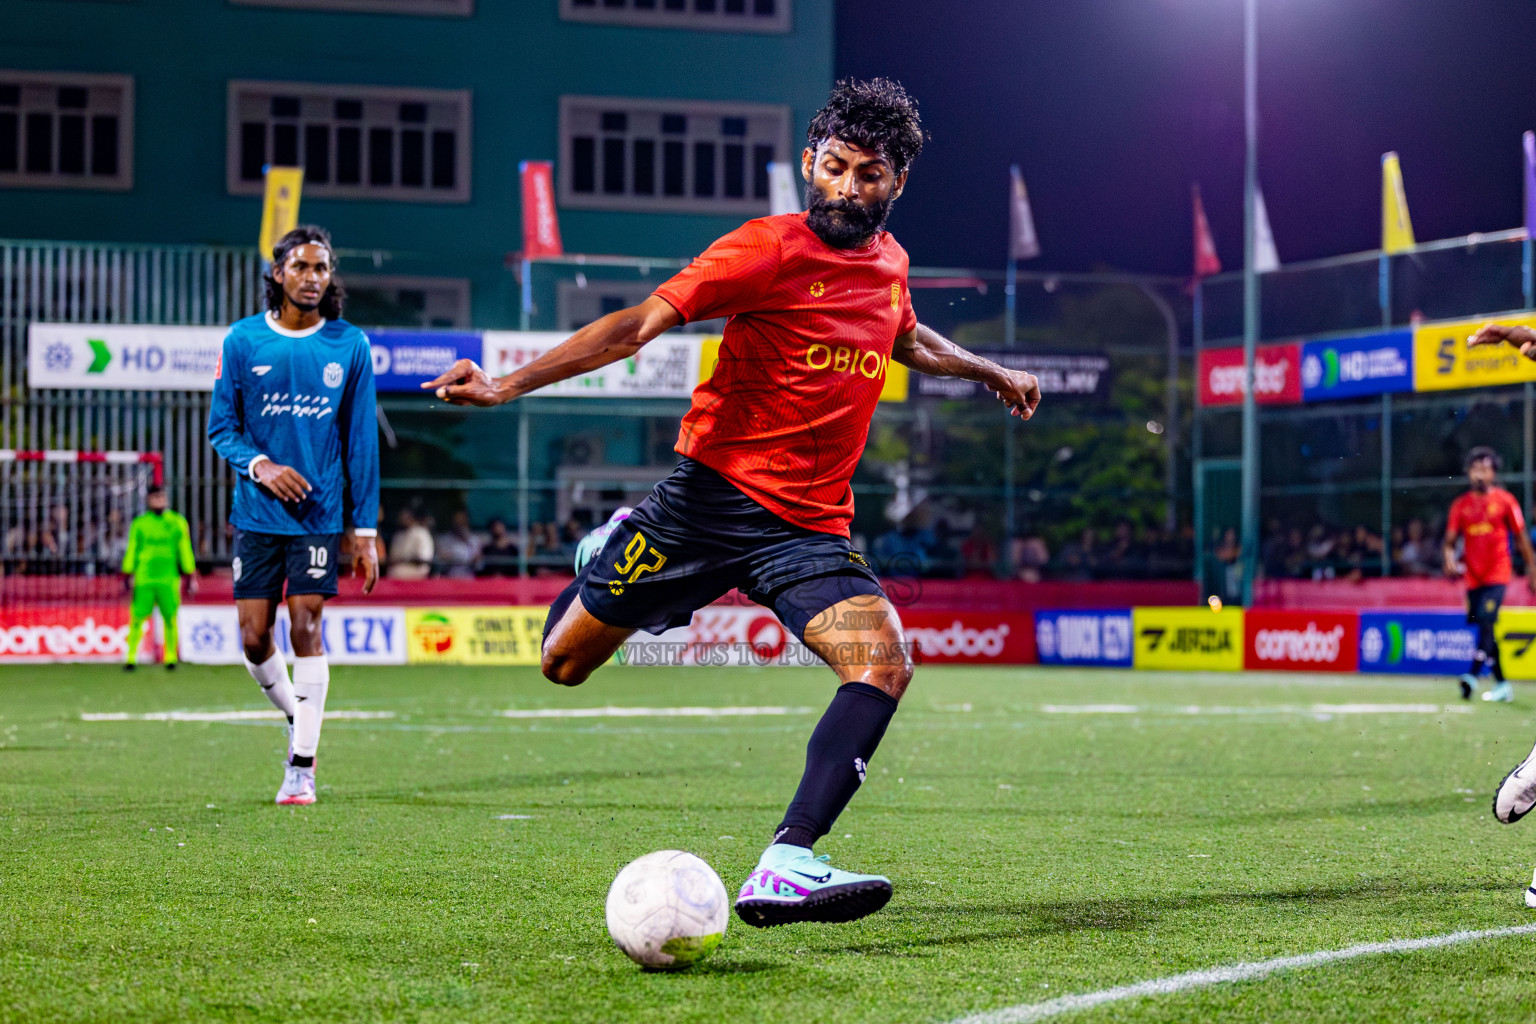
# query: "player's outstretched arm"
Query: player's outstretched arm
1522,338
616,336
1448,552
927,351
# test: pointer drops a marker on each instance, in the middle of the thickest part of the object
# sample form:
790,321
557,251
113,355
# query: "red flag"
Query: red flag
541,229
1206,260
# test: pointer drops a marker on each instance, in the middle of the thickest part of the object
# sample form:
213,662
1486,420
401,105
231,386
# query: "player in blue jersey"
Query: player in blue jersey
293,414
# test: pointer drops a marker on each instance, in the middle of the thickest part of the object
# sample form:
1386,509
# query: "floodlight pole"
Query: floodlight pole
1250,520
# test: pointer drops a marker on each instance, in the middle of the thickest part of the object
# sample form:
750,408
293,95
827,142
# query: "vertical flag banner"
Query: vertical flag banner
541,228
1023,243
1396,228
1265,256
1529,141
280,207
783,196
1206,260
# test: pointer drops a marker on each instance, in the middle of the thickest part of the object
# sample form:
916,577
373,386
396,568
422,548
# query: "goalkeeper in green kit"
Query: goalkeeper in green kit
159,553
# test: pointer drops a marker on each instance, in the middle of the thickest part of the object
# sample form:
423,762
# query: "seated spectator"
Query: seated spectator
570,536
978,555
458,550
903,551
499,556
410,552
1319,552
1029,557
1077,560
1229,552
1420,554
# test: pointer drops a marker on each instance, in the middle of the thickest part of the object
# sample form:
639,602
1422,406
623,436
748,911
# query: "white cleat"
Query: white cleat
298,786
1516,795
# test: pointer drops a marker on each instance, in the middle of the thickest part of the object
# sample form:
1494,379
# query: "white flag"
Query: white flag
1265,256
1023,243
783,197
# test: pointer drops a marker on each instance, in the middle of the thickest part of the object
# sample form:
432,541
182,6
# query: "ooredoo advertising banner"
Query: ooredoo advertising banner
1188,638
1276,371
1301,641
1429,643
1084,637
65,634
350,634
1366,364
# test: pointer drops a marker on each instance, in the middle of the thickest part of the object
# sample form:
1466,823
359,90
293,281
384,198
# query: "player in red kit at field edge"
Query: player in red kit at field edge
1485,518
817,307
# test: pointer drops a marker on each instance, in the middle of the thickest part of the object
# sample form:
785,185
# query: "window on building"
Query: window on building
430,8
354,142
395,301
710,15
61,130
673,156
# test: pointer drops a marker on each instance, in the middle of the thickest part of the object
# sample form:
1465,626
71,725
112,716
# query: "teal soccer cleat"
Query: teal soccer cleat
1468,684
1503,693
592,543
791,884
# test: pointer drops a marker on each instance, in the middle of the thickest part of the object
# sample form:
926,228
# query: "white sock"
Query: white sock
311,678
272,676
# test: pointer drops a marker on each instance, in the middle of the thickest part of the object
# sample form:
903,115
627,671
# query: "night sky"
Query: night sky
1113,107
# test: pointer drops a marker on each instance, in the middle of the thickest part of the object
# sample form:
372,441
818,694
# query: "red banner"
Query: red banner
970,637
1276,368
1302,641
45,633
541,228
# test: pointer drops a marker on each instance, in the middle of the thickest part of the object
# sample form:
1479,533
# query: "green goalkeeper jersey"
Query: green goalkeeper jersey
159,548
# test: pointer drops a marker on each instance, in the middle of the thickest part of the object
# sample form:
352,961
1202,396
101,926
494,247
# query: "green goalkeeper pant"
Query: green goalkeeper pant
146,598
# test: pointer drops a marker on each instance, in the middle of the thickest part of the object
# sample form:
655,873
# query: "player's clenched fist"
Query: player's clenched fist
465,383
1019,391
284,481
1522,338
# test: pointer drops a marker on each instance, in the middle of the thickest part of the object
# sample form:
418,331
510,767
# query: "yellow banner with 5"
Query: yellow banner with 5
1443,362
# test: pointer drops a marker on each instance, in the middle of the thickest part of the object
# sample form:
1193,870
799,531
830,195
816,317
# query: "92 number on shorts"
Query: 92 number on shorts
632,555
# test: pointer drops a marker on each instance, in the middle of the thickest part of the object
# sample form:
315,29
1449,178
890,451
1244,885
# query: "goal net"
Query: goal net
64,518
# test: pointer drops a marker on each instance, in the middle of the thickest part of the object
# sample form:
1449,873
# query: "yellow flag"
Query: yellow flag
1396,228
280,209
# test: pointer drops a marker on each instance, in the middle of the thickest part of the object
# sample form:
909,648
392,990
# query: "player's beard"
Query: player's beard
843,223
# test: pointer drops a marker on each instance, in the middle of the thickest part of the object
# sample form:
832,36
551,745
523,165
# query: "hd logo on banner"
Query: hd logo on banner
123,357
1188,638
1367,364
1084,637
1442,361
1428,643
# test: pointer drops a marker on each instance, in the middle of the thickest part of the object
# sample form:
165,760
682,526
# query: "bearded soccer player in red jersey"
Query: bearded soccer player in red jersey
817,307
1485,518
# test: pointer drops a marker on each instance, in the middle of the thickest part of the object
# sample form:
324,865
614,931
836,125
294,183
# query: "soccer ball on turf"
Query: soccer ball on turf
667,910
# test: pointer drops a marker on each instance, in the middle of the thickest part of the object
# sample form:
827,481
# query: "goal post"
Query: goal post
64,519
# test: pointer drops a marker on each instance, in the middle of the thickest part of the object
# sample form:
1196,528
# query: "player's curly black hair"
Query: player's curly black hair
335,296
1480,453
876,113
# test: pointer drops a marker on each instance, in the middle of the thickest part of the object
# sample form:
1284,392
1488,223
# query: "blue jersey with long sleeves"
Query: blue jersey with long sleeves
303,399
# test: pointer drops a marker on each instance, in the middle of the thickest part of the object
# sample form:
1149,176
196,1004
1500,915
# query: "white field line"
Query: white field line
615,712
1258,709
221,716
1024,1013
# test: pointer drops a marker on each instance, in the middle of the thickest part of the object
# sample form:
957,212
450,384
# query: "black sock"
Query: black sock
835,761
300,761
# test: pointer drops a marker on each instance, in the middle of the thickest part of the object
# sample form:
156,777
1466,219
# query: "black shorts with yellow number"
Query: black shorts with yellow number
694,539
1483,604
265,561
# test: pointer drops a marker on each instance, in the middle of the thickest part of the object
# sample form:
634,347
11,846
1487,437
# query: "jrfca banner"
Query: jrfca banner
1188,638
1516,633
1430,643
1301,641
1061,374
1442,361
666,368
115,356
350,634
1276,369
1367,364
1084,637
403,360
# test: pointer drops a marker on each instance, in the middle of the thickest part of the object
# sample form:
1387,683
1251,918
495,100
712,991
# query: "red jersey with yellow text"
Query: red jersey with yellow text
786,412
1485,522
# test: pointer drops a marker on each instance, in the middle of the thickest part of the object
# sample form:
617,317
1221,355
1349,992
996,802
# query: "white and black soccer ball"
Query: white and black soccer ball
667,910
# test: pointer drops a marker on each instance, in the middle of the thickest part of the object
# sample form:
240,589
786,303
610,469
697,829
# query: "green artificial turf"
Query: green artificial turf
146,875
